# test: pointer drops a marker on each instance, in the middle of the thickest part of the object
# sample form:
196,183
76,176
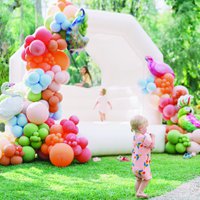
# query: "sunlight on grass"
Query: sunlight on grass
108,179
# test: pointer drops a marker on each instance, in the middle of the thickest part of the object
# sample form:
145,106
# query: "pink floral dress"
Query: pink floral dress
141,156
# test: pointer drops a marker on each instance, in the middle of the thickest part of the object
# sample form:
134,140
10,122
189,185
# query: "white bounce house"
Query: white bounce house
118,44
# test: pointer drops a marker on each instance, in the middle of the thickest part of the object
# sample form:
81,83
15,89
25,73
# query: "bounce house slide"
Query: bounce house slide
118,44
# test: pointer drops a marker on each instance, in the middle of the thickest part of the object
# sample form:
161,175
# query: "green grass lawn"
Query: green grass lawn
108,179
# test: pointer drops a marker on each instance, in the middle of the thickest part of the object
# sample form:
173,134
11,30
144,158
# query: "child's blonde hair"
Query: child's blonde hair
103,91
137,121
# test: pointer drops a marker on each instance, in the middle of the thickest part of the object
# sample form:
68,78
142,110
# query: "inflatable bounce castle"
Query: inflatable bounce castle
54,121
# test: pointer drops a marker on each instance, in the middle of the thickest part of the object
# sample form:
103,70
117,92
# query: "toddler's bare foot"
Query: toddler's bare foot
142,195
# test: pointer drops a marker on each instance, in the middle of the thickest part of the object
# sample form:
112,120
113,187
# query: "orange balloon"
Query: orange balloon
53,109
169,77
4,161
47,94
158,82
44,149
61,155
9,150
61,5
52,46
16,160
48,139
44,66
62,44
56,36
59,95
38,59
56,128
54,100
61,59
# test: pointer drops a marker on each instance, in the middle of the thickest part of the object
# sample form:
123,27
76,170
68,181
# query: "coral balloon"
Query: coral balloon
3,142
37,113
52,46
4,161
61,155
57,128
47,94
16,160
9,150
84,156
61,59
62,44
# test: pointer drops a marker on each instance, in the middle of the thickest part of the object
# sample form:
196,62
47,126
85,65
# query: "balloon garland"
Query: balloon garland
32,123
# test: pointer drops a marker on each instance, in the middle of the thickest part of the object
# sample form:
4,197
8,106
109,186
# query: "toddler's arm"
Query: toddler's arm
95,105
153,141
109,104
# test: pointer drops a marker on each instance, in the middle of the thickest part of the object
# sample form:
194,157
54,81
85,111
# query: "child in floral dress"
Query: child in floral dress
143,143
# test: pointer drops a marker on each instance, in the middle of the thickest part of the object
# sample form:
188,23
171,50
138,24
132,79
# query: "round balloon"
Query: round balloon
37,113
61,155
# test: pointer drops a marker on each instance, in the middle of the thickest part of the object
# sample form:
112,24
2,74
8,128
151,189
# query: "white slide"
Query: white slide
118,44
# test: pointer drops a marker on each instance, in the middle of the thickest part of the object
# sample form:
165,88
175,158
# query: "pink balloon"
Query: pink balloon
67,77
37,48
69,127
43,34
23,55
71,137
45,103
56,68
50,122
60,77
174,119
27,51
54,86
37,113
77,150
70,11
29,39
83,142
84,156
50,73
74,119
169,111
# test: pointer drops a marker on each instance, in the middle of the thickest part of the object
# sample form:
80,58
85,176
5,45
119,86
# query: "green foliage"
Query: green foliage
17,20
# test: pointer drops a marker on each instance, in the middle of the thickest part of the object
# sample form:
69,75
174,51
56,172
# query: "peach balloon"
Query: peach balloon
26,104
0,153
56,128
70,11
56,68
4,161
50,73
3,142
37,113
52,10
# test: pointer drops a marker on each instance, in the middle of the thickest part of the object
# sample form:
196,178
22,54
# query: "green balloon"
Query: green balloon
35,139
173,136
34,97
180,148
29,129
29,154
36,145
48,21
24,141
35,134
170,148
43,132
44,126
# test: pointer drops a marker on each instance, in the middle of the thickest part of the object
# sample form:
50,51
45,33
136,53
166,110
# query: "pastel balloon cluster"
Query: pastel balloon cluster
60,23
38,81
66,132
38,51
147,85
11,154
34,129
17,124
69,22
